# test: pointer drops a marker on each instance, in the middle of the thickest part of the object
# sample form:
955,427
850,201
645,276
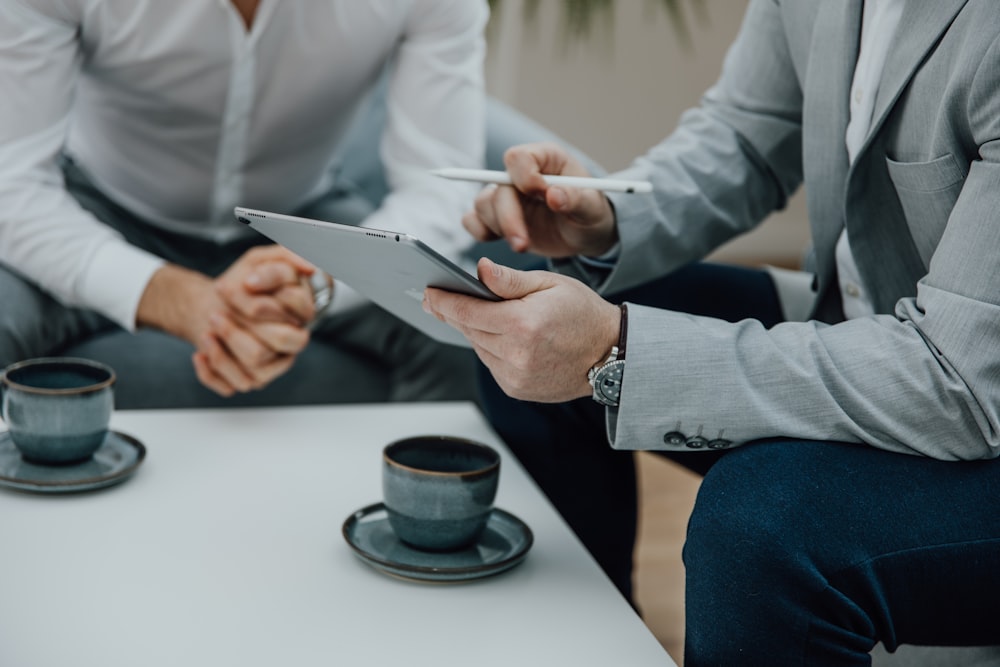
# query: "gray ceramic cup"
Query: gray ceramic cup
438,490
57,409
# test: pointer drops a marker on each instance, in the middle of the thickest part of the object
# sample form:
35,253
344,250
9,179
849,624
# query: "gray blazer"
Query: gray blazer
922,207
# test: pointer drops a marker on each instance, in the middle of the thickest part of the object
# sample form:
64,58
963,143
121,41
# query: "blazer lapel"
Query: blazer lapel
881,241
920,27
832,57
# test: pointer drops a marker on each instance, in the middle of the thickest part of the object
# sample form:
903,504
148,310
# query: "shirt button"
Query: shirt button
858,95
852,290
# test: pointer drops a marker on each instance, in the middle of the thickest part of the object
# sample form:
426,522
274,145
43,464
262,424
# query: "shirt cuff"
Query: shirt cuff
604,261
116,280
593,270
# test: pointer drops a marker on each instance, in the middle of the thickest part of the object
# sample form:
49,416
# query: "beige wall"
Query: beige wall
622,89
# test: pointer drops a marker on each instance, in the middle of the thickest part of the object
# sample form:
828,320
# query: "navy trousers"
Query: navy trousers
797,553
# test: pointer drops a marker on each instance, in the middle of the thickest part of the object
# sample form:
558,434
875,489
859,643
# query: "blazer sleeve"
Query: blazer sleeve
922,380
732,161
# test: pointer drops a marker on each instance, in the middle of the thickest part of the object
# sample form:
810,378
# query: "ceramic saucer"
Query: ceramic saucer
116,459
504,544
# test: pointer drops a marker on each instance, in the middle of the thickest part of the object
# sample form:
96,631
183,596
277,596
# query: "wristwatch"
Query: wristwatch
606,377
322,292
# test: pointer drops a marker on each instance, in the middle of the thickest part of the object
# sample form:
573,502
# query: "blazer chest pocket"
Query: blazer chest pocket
927,192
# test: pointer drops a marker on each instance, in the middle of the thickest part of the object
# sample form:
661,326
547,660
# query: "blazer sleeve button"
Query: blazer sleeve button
696,442
719,443
674,439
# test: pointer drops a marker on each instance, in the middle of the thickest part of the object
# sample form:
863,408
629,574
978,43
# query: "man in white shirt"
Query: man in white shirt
850,496
130,129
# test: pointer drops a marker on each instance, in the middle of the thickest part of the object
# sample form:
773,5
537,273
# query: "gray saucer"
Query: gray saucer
504,544
116,459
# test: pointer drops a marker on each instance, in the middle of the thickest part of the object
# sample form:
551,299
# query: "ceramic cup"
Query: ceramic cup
57,409
438,490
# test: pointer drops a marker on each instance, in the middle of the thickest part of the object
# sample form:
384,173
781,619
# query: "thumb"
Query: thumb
583,204
270,276
300,264
508,283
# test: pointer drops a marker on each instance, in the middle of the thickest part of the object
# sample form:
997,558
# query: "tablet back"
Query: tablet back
389,268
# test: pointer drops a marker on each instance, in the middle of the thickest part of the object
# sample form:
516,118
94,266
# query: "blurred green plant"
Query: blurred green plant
580,16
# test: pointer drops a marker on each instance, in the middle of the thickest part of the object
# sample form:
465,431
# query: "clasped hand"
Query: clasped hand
247,325
261,325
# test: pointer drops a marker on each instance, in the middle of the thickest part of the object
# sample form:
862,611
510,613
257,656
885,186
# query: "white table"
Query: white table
225,548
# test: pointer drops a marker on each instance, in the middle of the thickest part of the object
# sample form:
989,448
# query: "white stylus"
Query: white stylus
503,178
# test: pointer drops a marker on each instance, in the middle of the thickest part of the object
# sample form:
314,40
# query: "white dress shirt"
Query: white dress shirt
178,113
878,25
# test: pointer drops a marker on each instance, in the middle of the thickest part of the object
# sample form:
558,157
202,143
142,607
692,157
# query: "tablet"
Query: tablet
390,268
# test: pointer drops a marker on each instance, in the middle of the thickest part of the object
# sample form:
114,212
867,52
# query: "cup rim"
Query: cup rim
490,452
71,361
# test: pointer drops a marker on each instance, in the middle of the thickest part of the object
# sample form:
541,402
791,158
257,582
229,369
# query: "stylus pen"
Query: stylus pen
503,178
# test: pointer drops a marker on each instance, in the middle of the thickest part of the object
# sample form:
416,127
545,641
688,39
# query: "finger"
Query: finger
258,305
297,301
247,349
481,222
275,368
485,207
203,371
509,283
278,253
476,228
582,204
267,307
525,163
290,303
465,313
271,276
508,213
477,317
263,351
224,364
566,200
260,364
487,346
280,338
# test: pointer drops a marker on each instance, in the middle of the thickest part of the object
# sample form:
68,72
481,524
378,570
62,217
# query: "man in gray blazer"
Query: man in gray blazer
847,499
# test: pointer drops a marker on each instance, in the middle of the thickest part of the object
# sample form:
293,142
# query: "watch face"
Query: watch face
608,382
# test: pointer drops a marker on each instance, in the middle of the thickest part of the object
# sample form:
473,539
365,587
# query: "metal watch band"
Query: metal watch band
322,292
